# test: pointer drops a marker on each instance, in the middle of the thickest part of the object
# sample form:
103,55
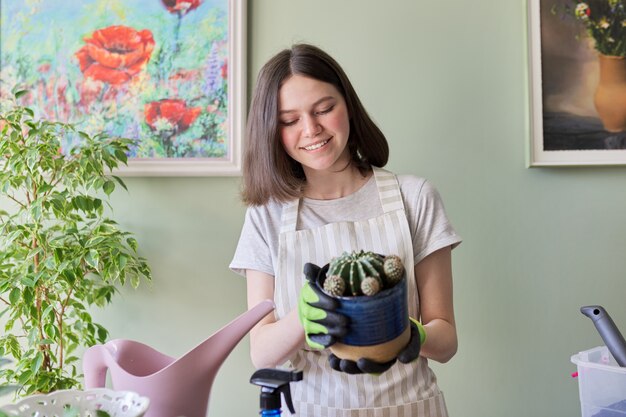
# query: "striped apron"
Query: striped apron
404,390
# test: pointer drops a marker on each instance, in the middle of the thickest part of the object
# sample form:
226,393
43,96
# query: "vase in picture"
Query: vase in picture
610,95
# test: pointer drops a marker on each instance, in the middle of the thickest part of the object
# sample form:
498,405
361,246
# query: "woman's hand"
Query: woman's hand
264,351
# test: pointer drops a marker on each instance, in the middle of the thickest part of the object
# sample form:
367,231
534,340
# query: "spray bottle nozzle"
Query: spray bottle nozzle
273,382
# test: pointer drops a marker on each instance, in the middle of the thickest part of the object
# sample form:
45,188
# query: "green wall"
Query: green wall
447,82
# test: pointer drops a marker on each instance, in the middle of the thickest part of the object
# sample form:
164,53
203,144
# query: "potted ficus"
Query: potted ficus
5,389
371,290
59,252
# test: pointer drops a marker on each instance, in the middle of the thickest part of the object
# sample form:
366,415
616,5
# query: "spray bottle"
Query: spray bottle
273,382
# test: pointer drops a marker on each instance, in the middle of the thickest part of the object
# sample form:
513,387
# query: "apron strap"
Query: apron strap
289,216
388,190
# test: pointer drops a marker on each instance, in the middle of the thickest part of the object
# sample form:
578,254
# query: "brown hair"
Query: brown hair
268,171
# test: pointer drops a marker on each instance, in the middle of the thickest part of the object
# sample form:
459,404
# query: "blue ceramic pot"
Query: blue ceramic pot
376,319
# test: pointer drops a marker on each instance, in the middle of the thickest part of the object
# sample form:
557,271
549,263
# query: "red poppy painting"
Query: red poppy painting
167,73
115,54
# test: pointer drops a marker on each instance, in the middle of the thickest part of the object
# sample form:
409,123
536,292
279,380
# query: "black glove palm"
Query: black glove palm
366,366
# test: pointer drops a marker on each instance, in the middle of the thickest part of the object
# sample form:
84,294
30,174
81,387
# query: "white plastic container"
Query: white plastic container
601,383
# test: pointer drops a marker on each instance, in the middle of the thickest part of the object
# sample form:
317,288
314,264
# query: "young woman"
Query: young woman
314,185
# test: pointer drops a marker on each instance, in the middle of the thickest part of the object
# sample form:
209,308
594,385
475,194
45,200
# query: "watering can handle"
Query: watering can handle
94,367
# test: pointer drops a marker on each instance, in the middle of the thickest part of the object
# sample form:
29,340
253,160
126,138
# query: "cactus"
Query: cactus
354,267
334,285
393,269
370,286
362,273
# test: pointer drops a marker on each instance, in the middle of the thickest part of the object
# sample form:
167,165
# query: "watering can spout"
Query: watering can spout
608,331
225,339
175,387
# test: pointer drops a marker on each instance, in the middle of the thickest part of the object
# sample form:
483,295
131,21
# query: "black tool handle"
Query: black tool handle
608,331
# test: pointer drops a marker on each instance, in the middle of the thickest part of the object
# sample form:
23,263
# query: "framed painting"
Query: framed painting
577,82
169,74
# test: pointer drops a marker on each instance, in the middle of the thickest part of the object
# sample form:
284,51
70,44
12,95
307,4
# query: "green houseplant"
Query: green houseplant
5,389
59,252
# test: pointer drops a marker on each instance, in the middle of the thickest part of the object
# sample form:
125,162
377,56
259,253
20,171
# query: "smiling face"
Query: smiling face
314,124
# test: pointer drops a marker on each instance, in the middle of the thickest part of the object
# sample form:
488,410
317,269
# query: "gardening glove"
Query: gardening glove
366,366
412,349
316,311
361,366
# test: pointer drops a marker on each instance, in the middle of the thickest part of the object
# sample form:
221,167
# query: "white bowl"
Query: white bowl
87,403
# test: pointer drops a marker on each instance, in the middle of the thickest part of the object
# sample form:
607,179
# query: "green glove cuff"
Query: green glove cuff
421,330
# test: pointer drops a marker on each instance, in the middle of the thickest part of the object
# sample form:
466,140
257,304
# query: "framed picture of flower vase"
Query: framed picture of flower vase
577,55
169,74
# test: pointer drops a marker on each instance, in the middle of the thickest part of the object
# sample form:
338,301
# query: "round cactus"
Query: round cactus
393,268
370,286
334,285
354,267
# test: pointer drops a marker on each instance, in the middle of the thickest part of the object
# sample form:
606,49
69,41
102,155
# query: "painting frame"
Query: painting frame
539,152
228,161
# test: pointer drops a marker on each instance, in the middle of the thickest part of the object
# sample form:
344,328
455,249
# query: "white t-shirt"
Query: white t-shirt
430,229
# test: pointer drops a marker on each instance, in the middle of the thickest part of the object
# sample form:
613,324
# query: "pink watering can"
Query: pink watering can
175,387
